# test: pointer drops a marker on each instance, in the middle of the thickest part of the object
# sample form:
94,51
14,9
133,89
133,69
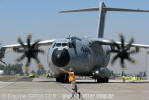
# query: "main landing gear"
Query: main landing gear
102,80
63,78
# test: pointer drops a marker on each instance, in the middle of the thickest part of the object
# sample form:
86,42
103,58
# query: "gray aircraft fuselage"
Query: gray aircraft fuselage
80,55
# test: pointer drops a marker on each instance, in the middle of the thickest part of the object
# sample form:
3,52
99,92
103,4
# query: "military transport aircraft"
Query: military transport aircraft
84,55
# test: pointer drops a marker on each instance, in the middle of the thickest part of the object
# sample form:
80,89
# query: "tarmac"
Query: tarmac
48,89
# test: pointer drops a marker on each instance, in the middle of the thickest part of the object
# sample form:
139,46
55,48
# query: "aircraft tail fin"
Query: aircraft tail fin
80,10
102,14
126,10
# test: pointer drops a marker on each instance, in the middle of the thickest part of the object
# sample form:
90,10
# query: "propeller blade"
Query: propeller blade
38,62
29,40
114,59
117,45
131,60
19,50
3,62
20,41
39,51
21,58
28,62
35,44
122,40
114,51
129,44
122,62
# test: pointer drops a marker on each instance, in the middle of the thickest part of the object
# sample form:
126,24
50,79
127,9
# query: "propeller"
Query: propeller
3,62
123,51
2,54
29,50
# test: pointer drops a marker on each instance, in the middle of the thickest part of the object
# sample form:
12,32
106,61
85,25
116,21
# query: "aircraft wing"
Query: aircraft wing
41,43
109,42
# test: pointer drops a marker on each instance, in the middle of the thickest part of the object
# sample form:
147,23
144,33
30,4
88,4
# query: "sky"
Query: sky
43,20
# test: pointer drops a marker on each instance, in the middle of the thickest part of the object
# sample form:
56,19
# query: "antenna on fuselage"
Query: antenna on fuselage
102,14
69,37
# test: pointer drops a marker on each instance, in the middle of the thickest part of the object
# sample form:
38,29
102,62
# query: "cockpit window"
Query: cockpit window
58,44
64,44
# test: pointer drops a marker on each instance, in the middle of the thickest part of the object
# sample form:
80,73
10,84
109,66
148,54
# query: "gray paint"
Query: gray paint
96,56
84,59
102,15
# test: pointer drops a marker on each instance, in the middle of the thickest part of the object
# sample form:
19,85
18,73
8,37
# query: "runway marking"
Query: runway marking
62,91
62,85
70,91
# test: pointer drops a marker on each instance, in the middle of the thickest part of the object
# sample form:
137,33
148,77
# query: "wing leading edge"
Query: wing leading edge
109,42
41,43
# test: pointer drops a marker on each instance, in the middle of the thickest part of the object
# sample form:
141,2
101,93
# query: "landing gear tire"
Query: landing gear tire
106,80
102,80
58,79
66,80
63,79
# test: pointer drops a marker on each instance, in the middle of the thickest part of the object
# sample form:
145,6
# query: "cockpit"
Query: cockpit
64,44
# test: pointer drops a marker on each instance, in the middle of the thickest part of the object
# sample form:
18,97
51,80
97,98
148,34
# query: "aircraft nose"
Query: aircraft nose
60,58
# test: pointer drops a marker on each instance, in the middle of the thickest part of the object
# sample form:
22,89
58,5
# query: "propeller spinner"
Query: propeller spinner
29,50
123,51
